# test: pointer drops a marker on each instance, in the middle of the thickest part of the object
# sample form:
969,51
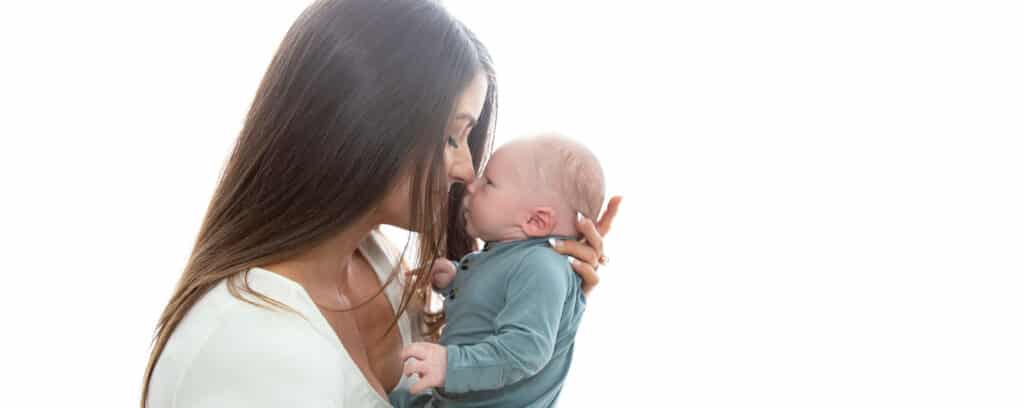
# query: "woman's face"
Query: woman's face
458,161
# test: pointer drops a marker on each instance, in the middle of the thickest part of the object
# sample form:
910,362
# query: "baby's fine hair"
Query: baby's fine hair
571,170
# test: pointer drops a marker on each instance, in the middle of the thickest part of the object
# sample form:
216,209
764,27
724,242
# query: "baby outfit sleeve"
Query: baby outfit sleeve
527,328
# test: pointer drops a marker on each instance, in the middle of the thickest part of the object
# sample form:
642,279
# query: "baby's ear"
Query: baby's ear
541,222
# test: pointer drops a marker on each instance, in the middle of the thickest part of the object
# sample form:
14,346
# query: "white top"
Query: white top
229,353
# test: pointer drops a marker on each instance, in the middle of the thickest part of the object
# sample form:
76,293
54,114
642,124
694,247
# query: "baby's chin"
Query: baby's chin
473,232
476,234
469,226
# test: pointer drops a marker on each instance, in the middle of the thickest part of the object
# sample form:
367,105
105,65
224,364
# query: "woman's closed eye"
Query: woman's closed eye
453,140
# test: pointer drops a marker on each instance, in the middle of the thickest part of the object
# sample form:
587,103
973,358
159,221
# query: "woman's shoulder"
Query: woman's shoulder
228,343
262,338
254,321
220,311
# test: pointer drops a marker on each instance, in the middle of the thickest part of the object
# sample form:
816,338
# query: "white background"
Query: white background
824,200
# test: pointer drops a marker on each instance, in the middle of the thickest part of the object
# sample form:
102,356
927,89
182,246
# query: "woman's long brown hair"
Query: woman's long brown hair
358,95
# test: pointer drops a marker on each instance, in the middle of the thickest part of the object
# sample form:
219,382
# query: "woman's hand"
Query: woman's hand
588,253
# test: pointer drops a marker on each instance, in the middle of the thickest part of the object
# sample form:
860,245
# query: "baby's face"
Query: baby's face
495,205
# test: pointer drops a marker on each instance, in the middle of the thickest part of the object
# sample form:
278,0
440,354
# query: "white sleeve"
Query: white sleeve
261,363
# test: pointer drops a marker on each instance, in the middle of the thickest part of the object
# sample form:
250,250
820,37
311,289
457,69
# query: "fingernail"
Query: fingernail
553,242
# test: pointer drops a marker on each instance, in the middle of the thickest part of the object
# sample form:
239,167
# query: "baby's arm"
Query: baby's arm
523,342
527,328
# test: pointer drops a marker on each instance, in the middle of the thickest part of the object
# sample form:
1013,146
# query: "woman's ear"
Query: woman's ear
541,222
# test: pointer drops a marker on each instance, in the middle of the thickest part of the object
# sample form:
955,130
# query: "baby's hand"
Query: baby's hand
444,273
430,361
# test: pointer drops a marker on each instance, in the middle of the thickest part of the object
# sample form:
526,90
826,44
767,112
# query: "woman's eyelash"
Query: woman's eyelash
452,142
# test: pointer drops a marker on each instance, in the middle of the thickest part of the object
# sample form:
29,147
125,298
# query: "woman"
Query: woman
372,112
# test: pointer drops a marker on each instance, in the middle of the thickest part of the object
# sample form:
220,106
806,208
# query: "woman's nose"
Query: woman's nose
462,167
471,187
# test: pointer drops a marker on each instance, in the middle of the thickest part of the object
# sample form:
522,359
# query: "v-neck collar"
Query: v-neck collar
292,294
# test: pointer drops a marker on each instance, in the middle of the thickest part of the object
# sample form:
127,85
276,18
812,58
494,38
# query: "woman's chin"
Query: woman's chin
404,226
400,222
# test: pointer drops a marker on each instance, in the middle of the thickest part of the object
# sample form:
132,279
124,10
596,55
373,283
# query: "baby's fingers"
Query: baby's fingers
412,367
418,387
426,381
414,350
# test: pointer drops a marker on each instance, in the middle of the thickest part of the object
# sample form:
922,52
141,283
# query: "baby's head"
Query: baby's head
534,187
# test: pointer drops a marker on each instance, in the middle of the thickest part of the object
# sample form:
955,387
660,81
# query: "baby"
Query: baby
513,308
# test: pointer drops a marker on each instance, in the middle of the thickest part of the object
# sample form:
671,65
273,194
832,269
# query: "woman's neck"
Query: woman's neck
323,270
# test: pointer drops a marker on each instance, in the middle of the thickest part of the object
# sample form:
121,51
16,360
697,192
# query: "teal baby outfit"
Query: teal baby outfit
512,311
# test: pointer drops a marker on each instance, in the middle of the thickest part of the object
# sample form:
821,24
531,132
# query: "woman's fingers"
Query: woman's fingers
605,223
579,250
588,274
591,235
589,252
